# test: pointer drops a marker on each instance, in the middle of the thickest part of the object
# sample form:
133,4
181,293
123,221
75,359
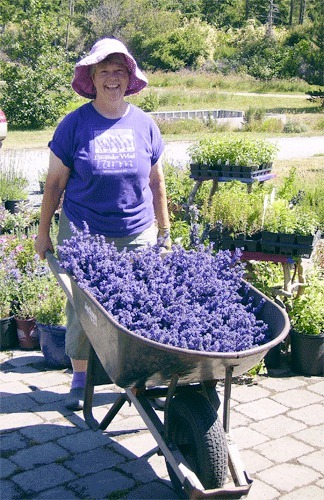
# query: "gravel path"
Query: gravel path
32,161
289,148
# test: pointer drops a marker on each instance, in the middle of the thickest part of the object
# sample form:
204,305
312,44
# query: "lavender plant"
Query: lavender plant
189,298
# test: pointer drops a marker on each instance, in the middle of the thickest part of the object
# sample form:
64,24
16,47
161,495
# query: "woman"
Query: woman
106,159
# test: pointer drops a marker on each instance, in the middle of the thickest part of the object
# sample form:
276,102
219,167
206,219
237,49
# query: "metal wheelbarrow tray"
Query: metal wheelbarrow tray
147,370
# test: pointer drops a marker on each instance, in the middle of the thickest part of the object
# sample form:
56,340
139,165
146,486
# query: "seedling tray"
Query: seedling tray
227,173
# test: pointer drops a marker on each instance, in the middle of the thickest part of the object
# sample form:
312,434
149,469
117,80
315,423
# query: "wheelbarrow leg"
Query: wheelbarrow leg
239,474
92,380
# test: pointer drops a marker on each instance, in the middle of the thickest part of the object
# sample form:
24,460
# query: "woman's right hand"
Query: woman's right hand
42,244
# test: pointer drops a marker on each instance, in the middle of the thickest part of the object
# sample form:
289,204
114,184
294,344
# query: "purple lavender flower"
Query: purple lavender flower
193,299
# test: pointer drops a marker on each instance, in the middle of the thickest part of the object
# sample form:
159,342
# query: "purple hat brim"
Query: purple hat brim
82,82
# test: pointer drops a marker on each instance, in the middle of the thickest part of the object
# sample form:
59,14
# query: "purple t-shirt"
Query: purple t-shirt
110,162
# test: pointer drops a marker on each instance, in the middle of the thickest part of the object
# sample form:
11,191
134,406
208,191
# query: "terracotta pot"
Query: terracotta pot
27,333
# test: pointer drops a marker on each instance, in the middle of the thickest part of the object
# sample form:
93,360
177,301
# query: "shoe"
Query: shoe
74,400
159,403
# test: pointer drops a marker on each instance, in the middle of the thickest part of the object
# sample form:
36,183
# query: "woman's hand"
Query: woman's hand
164,238
42,244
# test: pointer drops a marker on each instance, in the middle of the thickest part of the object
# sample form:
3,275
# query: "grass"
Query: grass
231,82
183,98
187,90
28,139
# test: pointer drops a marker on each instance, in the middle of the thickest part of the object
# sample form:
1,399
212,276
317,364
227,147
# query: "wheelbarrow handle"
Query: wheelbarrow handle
61,275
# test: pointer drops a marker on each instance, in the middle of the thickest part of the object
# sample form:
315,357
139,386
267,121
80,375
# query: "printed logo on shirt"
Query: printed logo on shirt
114,151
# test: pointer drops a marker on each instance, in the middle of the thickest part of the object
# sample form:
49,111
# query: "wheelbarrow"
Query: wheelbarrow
198,448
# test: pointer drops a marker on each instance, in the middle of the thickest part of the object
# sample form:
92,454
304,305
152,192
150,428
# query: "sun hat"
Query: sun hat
82,82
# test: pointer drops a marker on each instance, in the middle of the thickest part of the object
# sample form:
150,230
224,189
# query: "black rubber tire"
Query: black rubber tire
198,433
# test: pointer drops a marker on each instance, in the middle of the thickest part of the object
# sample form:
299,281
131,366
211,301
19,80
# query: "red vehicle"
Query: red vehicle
3,127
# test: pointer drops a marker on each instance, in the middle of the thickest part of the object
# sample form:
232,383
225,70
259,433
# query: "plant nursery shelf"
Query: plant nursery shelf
290,268
200,175
227,173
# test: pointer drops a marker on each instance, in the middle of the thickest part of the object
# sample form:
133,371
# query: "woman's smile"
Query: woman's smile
112,78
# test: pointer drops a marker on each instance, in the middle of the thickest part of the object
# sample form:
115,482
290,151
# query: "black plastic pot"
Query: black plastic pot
307,353
13,206
52,344
8,333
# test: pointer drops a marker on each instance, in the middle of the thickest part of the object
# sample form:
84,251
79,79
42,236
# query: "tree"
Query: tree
37,72
106,19
302,11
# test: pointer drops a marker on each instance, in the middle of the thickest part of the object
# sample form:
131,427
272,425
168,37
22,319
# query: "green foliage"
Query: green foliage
7,292
265,276
149,102
309,211
289,187
175,127
220,36
235,151
24,219
178,188
306,311
188,45
28,296
254,114
281,217
235,208
305,55
37,74
52,301
36,97
294,127
13,183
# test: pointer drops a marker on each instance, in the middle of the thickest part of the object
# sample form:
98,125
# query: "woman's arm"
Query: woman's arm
56,180
157,185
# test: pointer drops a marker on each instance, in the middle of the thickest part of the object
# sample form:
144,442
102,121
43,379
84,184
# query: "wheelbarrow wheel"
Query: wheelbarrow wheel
198,433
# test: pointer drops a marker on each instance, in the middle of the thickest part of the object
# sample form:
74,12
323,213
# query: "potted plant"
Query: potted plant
50,322
235,216
8,331
307,328
22,220
42,174
25,307
289,229
230,157
13,189
28,272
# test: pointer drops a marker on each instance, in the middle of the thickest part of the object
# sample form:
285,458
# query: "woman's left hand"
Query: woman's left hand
164,238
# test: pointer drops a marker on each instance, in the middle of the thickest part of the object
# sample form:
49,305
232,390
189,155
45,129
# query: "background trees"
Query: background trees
41,39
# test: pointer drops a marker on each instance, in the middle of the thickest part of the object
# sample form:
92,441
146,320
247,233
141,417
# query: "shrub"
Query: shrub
34,97
150,102
294,127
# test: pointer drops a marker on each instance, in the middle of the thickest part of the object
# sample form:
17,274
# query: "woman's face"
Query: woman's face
111,79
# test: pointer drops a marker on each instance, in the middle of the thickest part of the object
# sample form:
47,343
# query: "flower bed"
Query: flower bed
189,299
